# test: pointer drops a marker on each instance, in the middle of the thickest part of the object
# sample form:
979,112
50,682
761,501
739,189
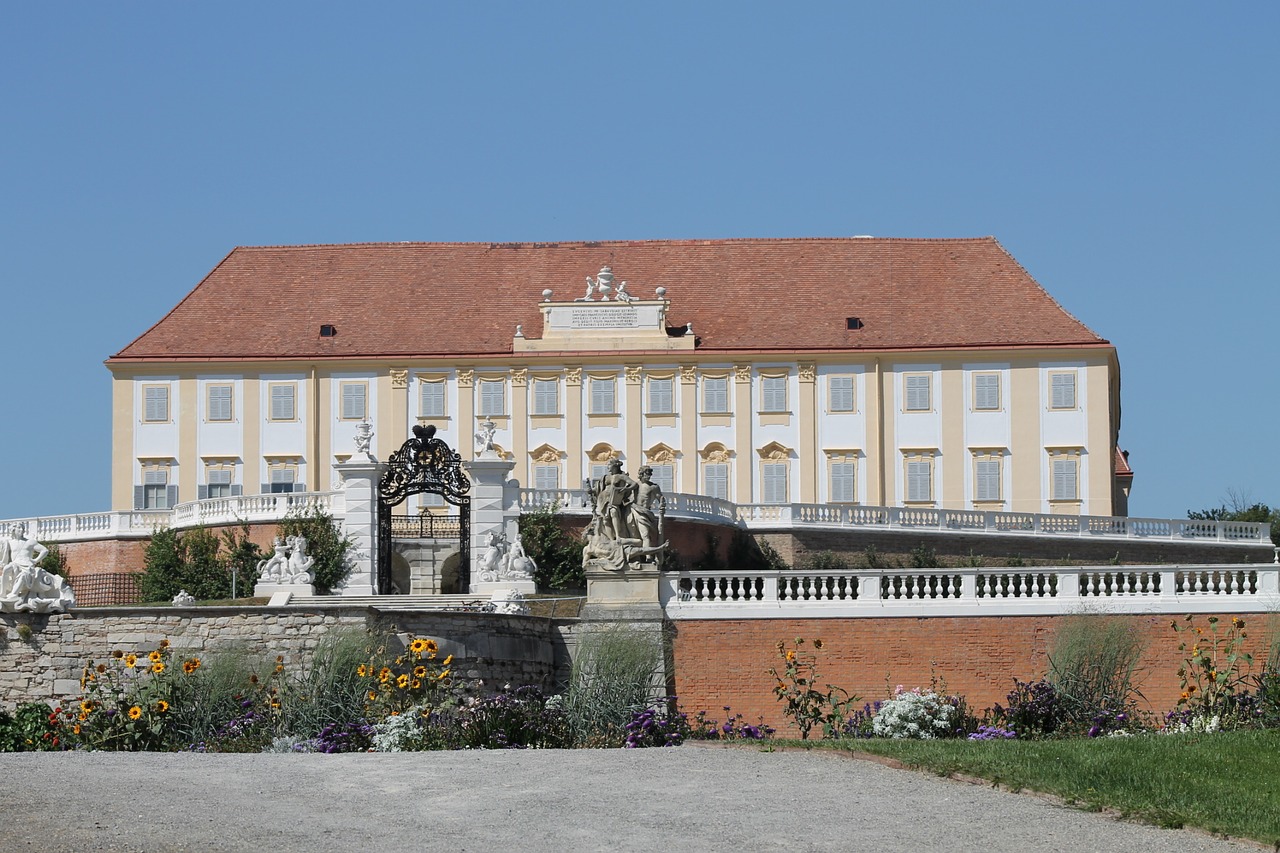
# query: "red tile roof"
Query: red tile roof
793,295
1122,464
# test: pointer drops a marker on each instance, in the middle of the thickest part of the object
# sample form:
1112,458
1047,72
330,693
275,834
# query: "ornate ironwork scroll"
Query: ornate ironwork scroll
424,464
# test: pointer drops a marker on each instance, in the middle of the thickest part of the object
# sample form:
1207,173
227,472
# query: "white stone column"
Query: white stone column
494,509
360,479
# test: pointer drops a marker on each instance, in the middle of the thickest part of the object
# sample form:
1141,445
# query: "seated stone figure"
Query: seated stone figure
24,586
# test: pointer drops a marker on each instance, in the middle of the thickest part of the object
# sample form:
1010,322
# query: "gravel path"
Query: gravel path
686,799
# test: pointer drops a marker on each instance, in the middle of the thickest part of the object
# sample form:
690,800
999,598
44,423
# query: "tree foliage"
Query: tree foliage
557,553
325,542
1241,507
199,561
55,562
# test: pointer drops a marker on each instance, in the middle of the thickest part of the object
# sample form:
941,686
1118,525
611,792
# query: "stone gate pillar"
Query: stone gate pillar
360,478
495,509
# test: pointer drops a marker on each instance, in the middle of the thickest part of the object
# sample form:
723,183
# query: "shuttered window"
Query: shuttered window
602,397
920,479
661,398
1063,387
493,398
986,392
715,480
219,403
282,480
353,401
1065,481
773,393
917,390
664,477
986,479
219,482
155,489
156,403
431,399
546,397
774,480
546,476
282,403
715,394
841,388
843,483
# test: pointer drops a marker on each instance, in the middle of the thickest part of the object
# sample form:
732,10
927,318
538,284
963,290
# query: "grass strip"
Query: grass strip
1225,782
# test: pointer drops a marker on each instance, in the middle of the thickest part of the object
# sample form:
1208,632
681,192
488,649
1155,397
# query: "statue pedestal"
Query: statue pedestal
267,590
627,594
524,587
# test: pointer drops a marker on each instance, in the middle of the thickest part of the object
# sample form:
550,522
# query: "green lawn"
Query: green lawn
1227,782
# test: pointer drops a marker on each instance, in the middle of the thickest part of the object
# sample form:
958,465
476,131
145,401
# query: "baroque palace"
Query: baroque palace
887,372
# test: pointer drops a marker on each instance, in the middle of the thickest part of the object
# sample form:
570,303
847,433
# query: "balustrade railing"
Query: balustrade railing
425,526
729,594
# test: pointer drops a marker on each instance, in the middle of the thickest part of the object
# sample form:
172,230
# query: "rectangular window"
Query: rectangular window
156,403
546,397
715,480
715,394
843,485
917,387
431,399
282,402
986,392
661,397
986,478
1062,390
155,490
546,476
431,499
602,397
1065,480
598,470
219,403
282,480
773,393
841,390
493,397
919,471
773,477
219,480
664,477
353,401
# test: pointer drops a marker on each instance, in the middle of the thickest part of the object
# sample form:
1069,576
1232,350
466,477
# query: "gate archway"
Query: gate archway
424,465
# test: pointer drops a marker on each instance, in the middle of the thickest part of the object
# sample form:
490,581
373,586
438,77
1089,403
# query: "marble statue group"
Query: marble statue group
504,560
289,564
24,586
626,521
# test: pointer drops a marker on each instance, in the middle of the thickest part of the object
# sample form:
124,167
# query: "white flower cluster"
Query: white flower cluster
920,714
1199,725
393,734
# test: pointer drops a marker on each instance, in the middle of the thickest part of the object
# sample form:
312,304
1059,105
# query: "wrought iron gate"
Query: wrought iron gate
424,464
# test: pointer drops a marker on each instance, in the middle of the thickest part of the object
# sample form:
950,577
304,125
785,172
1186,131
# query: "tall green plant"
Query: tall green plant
557,554
325,543
615,673
1092,665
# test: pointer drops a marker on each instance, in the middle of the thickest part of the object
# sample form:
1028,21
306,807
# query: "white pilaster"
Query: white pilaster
360,479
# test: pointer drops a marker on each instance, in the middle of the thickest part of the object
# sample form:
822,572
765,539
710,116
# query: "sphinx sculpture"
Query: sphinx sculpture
24,586
626,522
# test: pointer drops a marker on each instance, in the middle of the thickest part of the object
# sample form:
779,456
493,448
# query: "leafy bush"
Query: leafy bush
55,562
325,543
614,674
823,561
924,557
198,561
796,687
556,552
33,727
1092,667
918,714
1034,709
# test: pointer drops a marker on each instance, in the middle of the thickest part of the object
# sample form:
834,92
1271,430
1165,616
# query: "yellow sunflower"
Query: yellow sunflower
135,712
87,706
164,644
154,657
419,671
415,684
161,707
131,661
373,695
102,667
362,670
447,661
402,682
190,665
157,667
384,674
418,646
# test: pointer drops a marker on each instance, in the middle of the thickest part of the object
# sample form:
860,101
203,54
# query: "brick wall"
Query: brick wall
725,662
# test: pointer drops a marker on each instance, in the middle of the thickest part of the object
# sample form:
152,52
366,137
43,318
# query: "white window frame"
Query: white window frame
546,476
433,397
715,480
492,399
220,406
917,392
917,484
773,394
155,489
353,400
277,398
661,397
988,476
155,404
986,392
546,396
775,485
218,479
1064,476
1063,390
715,389
843,479
842,399
603,395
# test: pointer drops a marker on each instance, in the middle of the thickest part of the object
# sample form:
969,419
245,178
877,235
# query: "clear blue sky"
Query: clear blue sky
1127,154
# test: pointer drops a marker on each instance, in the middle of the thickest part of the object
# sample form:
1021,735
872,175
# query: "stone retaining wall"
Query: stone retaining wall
42,656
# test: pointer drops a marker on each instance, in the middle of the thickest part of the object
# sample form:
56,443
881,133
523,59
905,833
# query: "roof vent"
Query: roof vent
852,323
328,331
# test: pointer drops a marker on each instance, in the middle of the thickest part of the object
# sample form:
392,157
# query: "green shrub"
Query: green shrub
615,673
187,560
55,562
823,561
1092,666
924,557
556,552
325,543
32,727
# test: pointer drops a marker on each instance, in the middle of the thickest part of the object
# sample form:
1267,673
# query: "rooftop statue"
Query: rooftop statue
24,586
